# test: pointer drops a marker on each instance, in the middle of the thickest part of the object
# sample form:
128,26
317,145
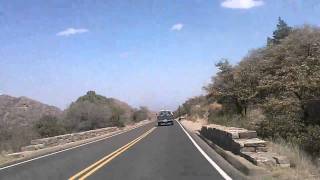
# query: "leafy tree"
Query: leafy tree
92,97
191,105
223,87
93,111
282,31
246,80
291,70
49,126
283,79
116,117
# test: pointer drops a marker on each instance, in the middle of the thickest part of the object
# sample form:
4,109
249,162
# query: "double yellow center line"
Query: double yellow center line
97,165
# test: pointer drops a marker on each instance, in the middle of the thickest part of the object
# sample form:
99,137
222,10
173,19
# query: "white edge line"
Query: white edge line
50,154
222,173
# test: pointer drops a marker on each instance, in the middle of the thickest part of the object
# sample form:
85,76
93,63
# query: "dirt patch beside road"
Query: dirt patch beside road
4,159
193,125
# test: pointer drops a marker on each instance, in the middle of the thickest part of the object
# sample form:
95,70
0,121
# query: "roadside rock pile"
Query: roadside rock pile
245,143
66,138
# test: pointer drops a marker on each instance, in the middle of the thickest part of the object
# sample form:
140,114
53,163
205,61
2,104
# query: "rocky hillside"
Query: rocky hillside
22,111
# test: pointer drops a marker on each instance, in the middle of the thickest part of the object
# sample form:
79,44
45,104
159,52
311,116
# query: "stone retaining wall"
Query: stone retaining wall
66,138
245,143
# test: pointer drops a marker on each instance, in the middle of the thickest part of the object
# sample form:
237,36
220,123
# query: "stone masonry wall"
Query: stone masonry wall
66,138
245,143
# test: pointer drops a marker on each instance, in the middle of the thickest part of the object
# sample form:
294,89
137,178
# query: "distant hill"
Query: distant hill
23,111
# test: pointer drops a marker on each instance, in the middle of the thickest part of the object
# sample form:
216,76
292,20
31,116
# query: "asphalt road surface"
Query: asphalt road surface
147,152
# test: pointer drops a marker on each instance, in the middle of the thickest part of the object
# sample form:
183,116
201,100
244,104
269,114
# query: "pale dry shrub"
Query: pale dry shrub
302,165
251,121
215,106
4,158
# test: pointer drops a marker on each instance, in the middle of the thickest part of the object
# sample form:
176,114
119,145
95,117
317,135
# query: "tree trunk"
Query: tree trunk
239,107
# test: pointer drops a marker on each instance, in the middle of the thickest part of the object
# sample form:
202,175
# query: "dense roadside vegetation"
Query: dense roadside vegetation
274,90
88,112
91,111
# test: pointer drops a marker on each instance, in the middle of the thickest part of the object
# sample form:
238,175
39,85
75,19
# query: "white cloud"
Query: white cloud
71,31
177,27
241,4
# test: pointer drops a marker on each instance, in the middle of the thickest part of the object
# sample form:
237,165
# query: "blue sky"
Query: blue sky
146,52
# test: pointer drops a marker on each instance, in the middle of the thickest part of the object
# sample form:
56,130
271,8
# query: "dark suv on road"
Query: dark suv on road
165,118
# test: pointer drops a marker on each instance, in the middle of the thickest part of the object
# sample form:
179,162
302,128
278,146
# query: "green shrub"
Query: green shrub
93,111
49,126
310,140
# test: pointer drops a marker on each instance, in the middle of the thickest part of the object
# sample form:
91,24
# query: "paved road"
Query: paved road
147,152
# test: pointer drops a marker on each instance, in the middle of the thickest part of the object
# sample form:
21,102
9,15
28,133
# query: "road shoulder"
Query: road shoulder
233,172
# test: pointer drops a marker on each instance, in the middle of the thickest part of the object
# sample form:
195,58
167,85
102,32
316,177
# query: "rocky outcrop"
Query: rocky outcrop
244,143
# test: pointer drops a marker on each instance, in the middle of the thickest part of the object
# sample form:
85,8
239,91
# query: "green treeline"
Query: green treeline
88,112
274,89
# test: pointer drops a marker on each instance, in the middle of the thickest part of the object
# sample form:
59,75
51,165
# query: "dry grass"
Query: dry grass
303,168
302,165
4,159
253,118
